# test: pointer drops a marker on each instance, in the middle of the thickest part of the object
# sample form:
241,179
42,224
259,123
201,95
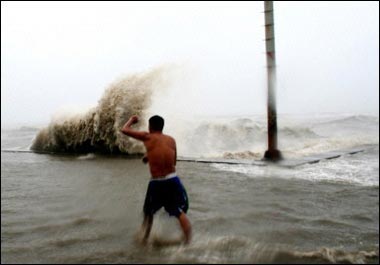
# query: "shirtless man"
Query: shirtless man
165,188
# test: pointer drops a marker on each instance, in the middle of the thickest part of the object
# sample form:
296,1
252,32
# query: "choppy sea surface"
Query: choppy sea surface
87,208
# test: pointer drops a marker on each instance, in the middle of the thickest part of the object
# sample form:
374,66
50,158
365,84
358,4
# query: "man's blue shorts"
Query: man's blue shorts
168,193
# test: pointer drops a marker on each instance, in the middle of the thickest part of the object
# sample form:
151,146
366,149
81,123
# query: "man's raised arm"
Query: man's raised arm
139,135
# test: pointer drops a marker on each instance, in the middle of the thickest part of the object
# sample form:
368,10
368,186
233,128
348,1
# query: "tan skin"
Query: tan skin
161,154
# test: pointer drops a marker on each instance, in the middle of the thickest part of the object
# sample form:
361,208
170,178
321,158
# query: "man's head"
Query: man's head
156,123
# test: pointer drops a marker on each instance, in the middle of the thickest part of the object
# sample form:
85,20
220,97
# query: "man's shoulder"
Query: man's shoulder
169,137
161,136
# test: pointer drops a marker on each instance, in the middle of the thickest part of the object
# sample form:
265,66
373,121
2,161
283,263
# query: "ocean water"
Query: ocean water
84,207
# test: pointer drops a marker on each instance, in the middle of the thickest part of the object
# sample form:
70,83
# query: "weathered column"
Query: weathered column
272,153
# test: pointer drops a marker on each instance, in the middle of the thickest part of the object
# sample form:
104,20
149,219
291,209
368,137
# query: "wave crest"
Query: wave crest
98,130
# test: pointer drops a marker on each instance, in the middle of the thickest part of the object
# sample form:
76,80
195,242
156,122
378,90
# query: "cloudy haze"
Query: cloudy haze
62,55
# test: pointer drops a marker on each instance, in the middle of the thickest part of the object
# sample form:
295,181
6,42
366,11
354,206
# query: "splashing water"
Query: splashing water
98,130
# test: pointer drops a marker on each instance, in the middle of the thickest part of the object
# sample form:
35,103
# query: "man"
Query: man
165,188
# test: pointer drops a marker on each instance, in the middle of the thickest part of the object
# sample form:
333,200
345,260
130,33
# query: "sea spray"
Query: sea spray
98,130
240,137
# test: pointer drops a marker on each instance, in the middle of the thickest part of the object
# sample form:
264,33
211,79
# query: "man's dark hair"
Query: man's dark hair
156,123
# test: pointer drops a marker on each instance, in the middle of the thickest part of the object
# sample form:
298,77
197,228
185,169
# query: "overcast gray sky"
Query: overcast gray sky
57,55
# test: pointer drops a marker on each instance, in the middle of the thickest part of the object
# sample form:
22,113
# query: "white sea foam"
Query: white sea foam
358,169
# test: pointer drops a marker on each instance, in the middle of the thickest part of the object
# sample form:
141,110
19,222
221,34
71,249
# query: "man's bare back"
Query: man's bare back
161,154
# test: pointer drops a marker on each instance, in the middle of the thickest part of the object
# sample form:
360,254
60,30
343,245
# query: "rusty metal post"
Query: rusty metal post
272,154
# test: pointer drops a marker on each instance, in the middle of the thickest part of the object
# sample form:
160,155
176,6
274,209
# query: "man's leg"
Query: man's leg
186,226
147,226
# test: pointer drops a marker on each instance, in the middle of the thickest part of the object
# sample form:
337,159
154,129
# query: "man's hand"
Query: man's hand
127,130
133,120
